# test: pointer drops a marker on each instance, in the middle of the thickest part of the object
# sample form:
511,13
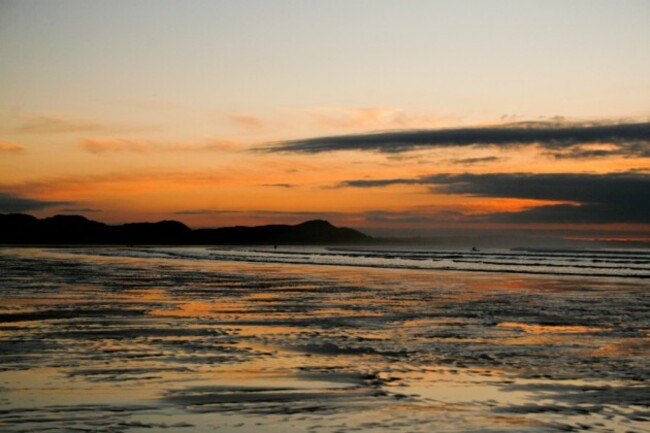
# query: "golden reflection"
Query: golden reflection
216,341
151,294
514,420
189,309
626,347
549,329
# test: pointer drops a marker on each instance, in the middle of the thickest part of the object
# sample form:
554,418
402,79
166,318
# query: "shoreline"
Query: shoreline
164,251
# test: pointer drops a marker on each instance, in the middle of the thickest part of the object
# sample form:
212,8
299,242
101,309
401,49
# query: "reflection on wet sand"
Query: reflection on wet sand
117,344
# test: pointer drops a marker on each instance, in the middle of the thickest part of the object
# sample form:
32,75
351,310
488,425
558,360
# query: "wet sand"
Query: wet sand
116,344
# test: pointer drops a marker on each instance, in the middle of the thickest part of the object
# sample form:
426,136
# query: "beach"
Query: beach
202,340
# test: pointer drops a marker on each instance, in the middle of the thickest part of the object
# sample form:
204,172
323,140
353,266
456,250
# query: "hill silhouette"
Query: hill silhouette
75,229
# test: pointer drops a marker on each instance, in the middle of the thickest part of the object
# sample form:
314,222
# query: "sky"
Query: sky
395,117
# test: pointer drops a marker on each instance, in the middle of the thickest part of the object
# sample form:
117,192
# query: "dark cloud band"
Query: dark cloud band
11,203
591,198
629,139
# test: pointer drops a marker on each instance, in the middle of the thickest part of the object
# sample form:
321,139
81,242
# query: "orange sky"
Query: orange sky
108,113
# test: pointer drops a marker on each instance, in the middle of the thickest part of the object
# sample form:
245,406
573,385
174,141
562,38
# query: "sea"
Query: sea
323,339
621,263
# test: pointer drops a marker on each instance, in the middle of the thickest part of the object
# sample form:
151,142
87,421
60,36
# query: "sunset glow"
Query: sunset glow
377,115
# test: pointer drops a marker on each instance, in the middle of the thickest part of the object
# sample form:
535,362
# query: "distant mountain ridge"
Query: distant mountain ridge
76,229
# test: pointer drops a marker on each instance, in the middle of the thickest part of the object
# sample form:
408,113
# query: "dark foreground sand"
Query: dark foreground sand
109,344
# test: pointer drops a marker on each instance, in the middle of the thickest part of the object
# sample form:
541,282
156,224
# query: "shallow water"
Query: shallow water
123,340
618,264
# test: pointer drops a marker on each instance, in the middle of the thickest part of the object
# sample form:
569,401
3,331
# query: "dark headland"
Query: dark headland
75,229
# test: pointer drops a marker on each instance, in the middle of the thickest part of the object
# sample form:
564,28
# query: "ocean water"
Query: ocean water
296,339
604,263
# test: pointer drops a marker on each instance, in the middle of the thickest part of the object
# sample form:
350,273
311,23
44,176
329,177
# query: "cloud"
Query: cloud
36,124
373,118
220,145
591,213
373,183
80,210
575,187
116,184
201,212
278,185
592,151
12,203
594,198
56,124
97,146
414,217
628,139
119,145
246,121
473,161
6,146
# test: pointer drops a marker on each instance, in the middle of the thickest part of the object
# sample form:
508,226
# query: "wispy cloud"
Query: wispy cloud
13,203
414,217
114,184
246,121
56,124
278,185
374,118
6,146
80,210
44,124
630,149
220,145
100,145
627,139
120,145
474,161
